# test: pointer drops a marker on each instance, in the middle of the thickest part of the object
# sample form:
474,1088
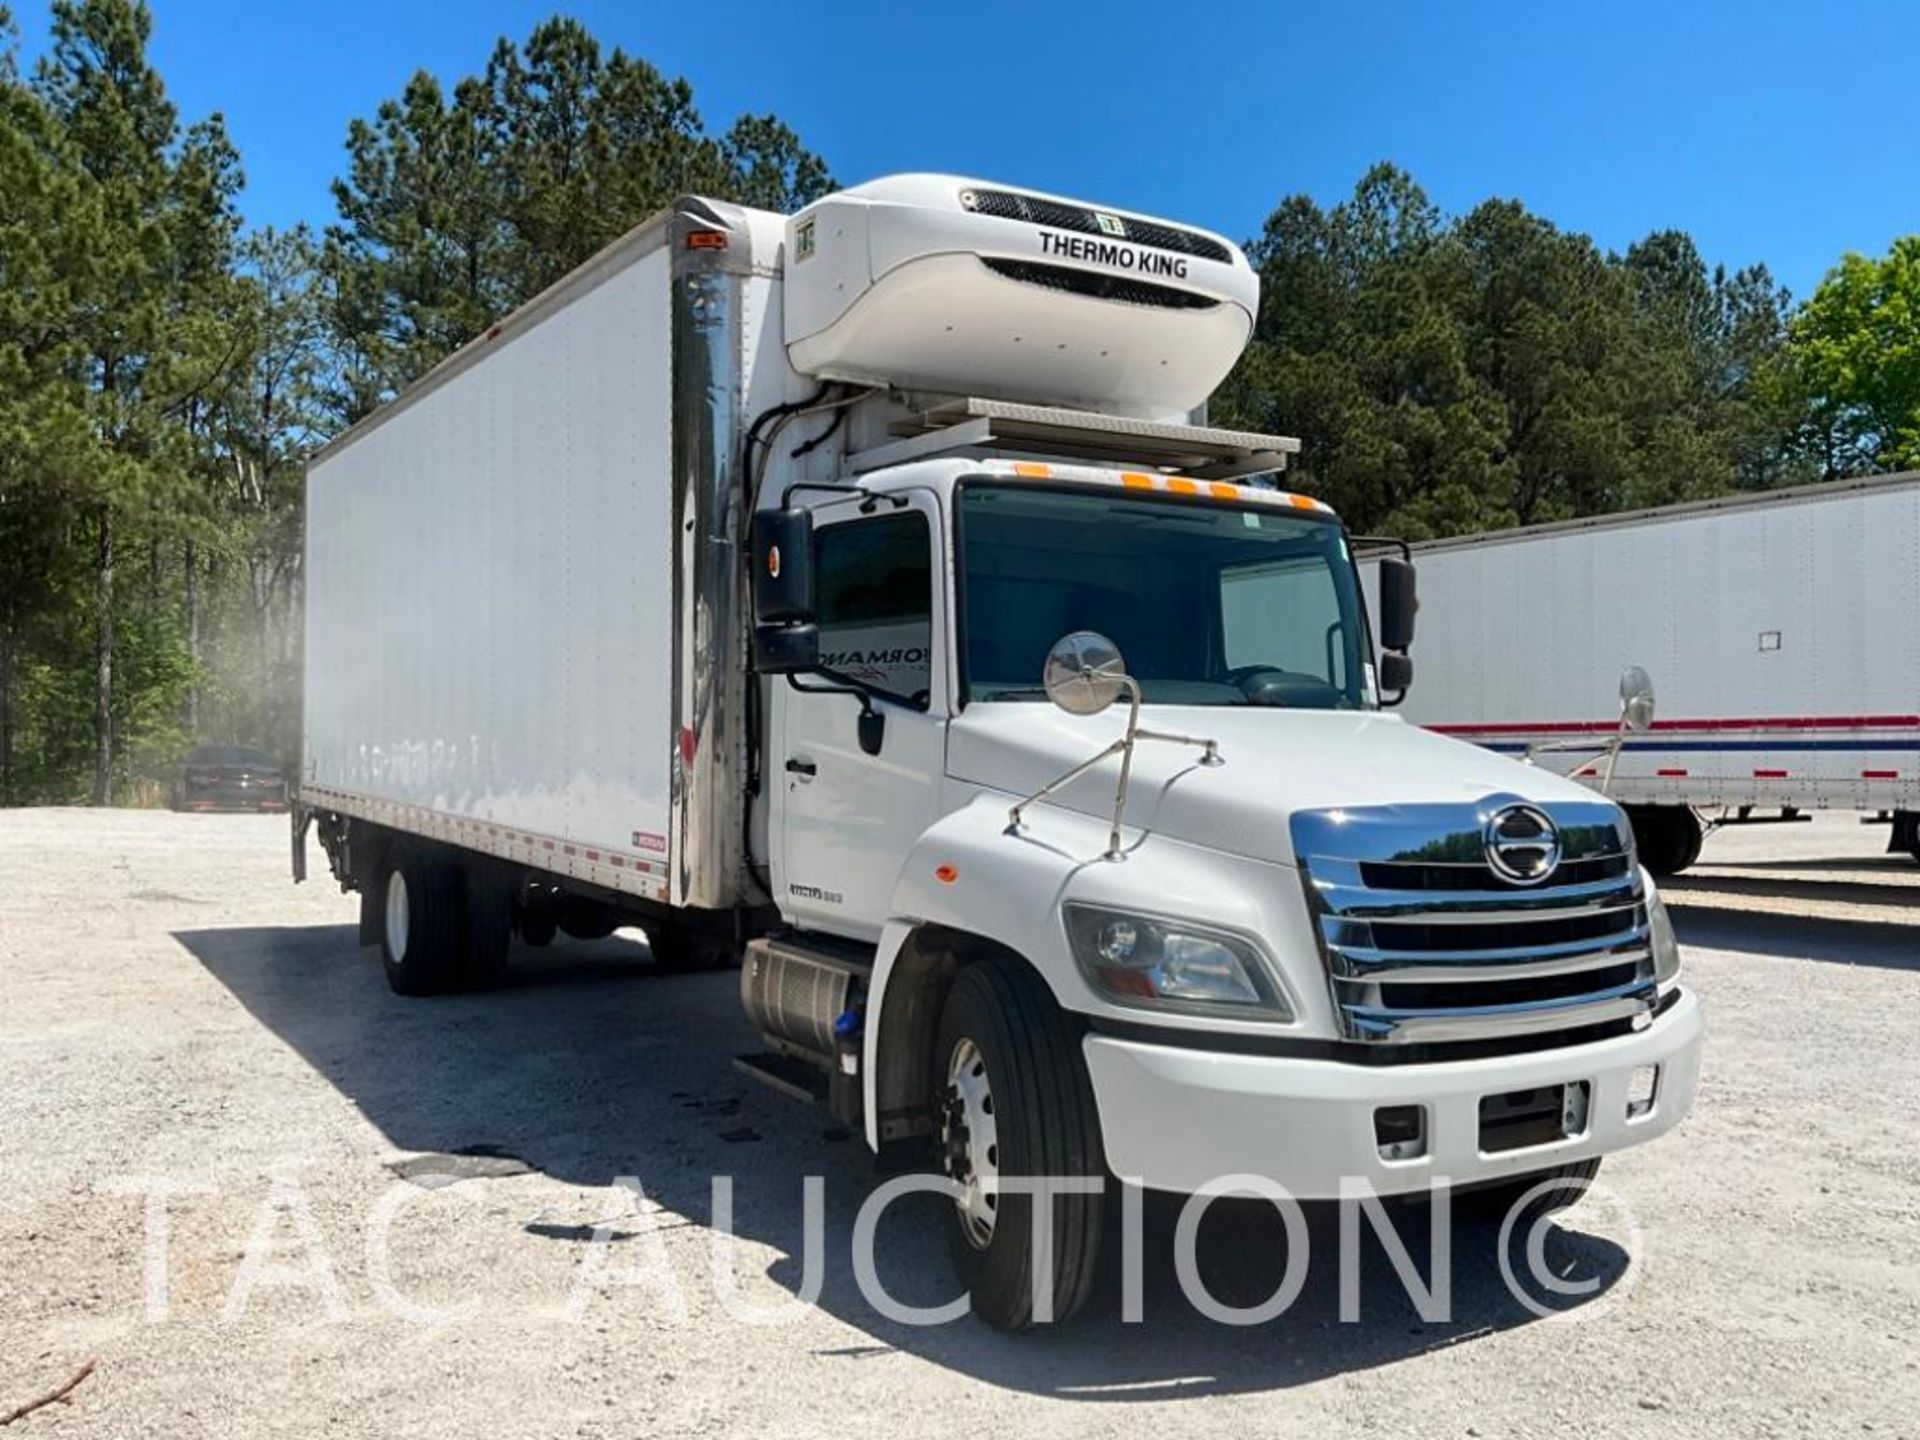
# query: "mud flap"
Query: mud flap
301,817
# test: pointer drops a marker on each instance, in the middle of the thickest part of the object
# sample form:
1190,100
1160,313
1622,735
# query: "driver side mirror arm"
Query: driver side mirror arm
871,727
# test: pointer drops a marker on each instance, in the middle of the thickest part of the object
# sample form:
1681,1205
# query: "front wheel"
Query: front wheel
1012,1100
1569,1184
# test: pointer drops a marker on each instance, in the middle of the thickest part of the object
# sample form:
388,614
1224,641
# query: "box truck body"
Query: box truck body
853,597
1781,632
515,615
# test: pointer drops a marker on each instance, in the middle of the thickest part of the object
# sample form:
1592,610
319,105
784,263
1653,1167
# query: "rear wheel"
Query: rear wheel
587,920
1012,1099
422,924
1668,837
1906,832
489,930
678,950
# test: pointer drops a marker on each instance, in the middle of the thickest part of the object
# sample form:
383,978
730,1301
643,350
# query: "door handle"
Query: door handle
802,767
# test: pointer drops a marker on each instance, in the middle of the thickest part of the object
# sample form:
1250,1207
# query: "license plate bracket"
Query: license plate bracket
1539,1115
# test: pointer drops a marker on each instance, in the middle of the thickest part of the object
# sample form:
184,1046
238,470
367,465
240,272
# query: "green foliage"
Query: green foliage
162,375
456,208
118,257
1856,350
1451,375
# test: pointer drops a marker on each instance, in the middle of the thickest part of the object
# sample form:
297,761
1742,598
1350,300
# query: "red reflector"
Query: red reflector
706,240
1769,774
1879,774
689,746
1671,774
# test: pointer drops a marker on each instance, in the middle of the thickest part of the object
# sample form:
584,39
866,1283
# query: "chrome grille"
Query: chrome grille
1424,941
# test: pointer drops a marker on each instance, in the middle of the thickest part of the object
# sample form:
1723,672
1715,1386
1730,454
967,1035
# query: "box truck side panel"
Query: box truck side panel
491,597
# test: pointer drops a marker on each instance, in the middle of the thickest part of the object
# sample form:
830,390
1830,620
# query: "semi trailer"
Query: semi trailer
1781,631
860,597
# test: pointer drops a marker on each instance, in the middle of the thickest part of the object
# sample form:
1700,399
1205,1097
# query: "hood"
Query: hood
1274,763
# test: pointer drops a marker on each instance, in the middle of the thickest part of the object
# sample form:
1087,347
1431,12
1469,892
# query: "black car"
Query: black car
230,777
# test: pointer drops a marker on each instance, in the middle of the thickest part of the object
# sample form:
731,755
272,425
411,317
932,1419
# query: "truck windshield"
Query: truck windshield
1210,604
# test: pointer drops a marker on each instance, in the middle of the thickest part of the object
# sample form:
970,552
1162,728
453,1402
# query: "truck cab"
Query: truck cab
1280,932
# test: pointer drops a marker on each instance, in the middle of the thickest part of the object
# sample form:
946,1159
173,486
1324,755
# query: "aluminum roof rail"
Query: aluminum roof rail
977,424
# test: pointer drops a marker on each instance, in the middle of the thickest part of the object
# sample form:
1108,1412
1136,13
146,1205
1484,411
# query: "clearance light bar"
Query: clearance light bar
1168,485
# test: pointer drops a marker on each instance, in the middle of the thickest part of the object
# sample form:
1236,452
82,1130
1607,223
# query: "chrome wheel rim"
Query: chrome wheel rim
397,916
970,1142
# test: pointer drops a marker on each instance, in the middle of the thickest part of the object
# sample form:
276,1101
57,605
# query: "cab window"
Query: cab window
874,599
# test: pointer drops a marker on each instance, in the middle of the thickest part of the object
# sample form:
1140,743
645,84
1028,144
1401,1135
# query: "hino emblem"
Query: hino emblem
1522,844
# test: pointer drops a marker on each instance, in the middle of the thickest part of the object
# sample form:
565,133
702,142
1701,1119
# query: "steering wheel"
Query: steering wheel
1272,685
1240,674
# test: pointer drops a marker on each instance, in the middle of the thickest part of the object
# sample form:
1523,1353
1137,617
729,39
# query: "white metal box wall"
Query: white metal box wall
489,596
1782,633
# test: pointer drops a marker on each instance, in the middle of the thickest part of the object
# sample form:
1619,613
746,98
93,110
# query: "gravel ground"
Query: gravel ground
173,1011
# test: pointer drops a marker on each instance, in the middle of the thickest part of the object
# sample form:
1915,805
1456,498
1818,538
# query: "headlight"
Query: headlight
1666,949
1144,959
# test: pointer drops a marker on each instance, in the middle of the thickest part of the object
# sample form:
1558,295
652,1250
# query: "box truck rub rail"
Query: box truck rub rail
853,597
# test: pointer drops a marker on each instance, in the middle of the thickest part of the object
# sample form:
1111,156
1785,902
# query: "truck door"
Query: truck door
844,818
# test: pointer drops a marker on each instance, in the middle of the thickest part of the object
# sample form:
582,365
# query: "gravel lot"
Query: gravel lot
173,1010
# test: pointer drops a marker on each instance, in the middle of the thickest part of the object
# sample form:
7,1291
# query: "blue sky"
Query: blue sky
1784,134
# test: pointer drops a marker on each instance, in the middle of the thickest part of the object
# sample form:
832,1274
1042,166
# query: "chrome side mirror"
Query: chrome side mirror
1636,714
1636,699
1084,673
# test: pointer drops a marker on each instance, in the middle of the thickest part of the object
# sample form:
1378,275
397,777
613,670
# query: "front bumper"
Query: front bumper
1176,1118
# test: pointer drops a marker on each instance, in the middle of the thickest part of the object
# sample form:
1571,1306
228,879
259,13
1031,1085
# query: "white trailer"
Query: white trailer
765,584
1781,631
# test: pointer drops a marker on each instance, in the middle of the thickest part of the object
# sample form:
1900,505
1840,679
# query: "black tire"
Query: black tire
422,931
677,950
1668,837
1046,1124
1696,837
536,928
489,931
1493,1202
1906,832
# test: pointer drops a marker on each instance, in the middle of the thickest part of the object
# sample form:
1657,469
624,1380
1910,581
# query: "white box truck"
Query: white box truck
1781,631
769,584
